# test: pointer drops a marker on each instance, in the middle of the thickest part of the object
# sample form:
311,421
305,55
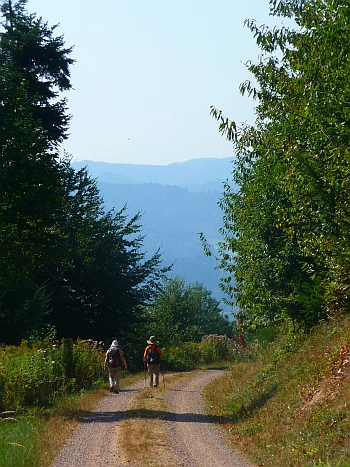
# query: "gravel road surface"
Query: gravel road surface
196,441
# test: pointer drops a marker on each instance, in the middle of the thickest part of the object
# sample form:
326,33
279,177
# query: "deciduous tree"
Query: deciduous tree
183,312
286,231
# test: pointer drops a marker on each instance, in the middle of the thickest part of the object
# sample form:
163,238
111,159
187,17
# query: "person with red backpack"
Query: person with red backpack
113,361
152,357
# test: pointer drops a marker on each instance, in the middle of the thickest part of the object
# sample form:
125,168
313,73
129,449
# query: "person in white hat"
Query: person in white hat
113,361
152,357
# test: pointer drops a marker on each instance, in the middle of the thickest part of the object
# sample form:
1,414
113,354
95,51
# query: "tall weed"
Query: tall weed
35,374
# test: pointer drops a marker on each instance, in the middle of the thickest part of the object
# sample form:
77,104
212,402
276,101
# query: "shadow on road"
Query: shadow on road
106,417
119,415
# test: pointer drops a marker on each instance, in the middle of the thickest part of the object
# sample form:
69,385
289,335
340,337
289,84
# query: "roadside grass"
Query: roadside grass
16,440
287,402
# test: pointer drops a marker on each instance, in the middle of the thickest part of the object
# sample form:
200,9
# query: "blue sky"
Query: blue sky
147,72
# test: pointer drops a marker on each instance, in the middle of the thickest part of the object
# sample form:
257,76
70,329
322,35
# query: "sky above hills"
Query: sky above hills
147,72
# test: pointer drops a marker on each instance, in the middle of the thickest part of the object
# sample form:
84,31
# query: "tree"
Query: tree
34,67
286,231
103,280
33,63
40,62
64,261
184,313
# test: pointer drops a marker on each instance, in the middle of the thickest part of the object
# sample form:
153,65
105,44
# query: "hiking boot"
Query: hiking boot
116,392
155,385
111,389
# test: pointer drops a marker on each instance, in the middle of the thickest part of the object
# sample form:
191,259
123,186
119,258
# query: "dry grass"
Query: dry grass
142,434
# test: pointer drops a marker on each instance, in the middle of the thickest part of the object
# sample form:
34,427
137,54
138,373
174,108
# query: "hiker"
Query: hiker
152,357
114,360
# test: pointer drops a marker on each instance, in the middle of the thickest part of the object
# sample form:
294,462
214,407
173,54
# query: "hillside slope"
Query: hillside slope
288,403
195,174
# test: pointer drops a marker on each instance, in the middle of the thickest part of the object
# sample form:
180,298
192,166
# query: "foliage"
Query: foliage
65,263
190,355
34,66
285,245
36,374
38,61
33,63
183,312
99,282
102,280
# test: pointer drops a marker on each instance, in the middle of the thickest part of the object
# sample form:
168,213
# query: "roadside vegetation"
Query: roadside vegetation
286,402
41,383
283,400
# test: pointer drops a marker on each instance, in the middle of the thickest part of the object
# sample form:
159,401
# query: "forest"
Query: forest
70,268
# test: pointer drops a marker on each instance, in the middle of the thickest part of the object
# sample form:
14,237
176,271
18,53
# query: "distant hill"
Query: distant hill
195,174
176,204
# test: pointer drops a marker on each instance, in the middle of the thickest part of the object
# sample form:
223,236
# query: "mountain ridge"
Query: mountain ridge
203,174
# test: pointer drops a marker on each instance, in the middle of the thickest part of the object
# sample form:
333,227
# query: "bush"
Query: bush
190,355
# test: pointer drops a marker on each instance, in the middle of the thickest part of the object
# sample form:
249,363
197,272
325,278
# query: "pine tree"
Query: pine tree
34,69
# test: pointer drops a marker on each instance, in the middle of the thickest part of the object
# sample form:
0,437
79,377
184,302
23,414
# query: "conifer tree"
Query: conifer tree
34,69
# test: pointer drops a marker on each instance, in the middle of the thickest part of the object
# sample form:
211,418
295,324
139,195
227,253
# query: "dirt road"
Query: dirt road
196,441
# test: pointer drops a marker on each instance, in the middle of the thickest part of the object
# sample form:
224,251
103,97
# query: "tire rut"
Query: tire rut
94,441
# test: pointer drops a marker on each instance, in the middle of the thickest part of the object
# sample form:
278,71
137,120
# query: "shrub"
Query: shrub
190,355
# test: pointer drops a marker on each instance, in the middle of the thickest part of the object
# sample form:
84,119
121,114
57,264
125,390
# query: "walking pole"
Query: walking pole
144,371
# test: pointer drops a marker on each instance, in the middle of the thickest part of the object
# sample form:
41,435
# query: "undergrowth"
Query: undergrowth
288,402
38,382
37,374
